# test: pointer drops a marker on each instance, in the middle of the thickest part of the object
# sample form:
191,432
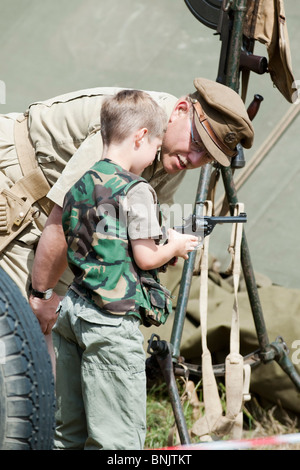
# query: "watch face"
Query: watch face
48,294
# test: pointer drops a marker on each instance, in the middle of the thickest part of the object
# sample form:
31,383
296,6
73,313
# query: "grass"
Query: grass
161,427
258,422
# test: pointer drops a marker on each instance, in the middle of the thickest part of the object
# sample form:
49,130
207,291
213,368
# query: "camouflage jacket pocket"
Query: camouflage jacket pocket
157,303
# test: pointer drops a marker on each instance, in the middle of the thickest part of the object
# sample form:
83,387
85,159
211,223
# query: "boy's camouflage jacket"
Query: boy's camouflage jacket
99,252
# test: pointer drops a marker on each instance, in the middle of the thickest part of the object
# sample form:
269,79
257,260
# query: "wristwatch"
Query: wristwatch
46,295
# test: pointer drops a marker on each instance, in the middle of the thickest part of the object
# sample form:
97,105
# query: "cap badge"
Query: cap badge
230,138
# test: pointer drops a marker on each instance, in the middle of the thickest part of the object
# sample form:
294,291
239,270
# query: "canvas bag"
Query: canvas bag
156,300
265,22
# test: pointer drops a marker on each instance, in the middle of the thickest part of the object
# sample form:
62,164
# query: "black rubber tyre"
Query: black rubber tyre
27,400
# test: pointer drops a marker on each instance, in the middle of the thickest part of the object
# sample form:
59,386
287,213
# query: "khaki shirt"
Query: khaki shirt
65,132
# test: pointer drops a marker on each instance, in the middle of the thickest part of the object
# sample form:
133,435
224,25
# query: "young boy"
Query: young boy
112,232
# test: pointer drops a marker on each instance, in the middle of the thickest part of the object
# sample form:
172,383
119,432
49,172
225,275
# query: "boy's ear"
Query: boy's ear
139,137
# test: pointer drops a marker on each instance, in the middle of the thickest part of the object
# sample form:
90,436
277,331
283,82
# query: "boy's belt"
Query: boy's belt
82,291
16,204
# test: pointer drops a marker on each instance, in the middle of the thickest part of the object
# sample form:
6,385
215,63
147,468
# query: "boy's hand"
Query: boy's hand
182,243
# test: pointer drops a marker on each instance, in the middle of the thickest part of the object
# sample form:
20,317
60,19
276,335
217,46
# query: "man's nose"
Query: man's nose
196,158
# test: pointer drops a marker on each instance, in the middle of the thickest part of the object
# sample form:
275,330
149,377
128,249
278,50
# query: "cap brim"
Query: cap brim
210,145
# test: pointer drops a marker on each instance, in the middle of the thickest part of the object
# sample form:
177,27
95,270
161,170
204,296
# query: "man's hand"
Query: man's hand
45,311
49,264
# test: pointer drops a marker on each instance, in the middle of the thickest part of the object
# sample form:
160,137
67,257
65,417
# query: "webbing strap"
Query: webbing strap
213,407
25,149
235,251
234,369
237,377
34,182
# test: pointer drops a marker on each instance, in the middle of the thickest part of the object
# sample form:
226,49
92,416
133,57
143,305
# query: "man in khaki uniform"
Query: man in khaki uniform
46,150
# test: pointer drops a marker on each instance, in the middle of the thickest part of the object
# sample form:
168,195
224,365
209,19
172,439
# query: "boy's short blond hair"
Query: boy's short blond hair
128,111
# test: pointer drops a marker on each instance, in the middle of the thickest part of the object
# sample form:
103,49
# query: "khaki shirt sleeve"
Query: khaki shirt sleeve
143,213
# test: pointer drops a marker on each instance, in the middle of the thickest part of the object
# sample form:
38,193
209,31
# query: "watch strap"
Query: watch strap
41,294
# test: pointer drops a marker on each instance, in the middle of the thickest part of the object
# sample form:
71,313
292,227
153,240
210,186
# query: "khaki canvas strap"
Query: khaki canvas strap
213,407
17,204
237,376
34,184
210,422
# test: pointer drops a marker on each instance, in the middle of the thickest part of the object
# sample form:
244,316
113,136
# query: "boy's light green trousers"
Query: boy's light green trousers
100,378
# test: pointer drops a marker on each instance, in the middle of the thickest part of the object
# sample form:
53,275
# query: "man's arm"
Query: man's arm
49,264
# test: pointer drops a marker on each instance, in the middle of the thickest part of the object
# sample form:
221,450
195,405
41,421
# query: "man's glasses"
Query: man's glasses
199,147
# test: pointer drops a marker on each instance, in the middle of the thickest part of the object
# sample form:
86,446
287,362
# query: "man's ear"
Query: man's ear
182,106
